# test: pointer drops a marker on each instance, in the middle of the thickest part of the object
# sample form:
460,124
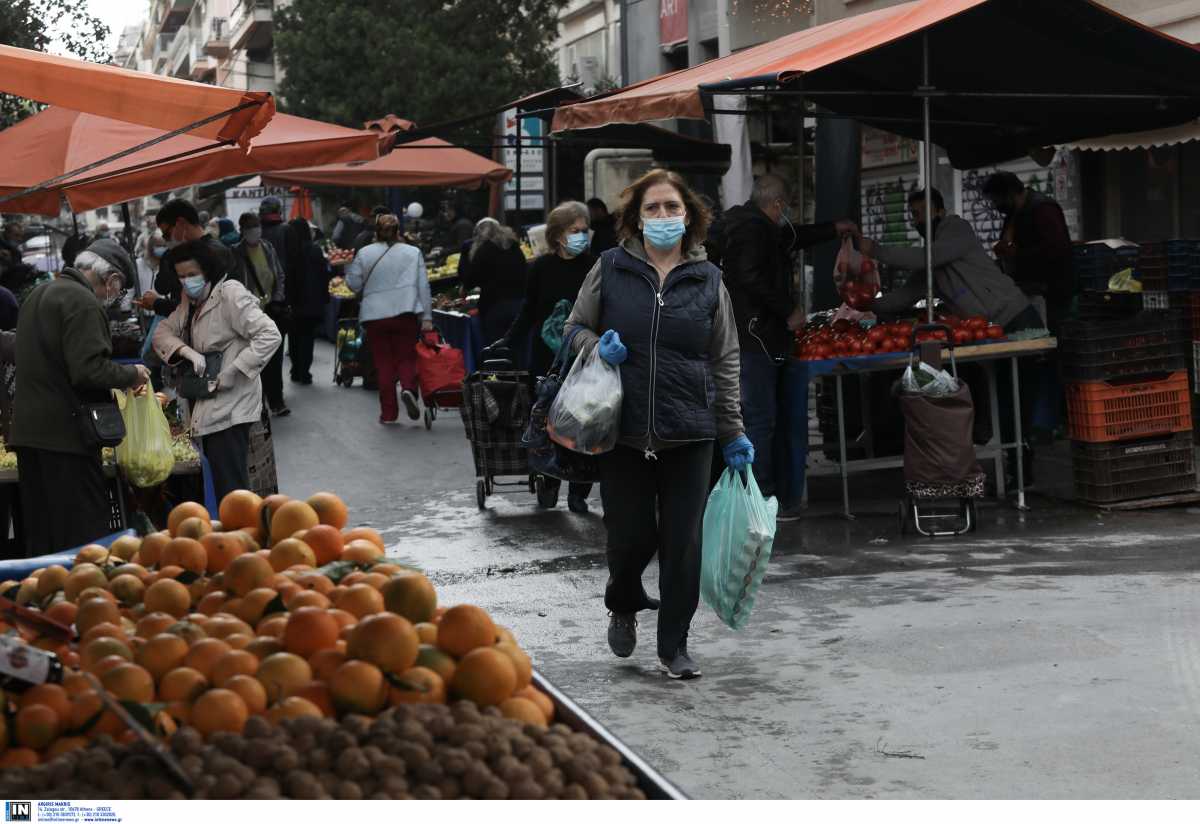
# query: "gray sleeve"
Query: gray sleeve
726,366
585,316
955,239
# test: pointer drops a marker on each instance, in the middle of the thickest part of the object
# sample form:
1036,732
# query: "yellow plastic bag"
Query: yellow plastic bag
145,455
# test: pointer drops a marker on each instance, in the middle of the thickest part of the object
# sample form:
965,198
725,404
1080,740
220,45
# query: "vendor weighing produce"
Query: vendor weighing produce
964,276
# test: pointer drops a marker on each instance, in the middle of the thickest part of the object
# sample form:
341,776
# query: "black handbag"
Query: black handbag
196,387
545,456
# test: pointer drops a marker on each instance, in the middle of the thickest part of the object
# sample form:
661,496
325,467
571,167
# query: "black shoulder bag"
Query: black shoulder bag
545,456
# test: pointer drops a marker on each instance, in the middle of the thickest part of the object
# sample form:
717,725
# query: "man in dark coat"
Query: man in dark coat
753,244
180,223
63,352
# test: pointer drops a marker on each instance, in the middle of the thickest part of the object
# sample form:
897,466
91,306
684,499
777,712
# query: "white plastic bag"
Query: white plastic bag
739,534
586,413
925,380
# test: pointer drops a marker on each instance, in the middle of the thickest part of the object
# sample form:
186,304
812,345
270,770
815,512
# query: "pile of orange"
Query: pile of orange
210,622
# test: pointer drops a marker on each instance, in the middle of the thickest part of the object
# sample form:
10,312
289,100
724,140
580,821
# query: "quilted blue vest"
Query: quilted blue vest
668,388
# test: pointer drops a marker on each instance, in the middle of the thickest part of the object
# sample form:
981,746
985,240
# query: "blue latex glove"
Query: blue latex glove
739,454
611,348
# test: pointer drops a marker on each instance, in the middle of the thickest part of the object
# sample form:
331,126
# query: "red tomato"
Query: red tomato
904,328
977,322
877,335
855,347
823,351
995,332
868,348
962,336
841,325
899,344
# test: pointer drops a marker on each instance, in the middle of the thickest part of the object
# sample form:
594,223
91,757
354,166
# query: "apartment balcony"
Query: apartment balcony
252,25
179,55
216,37
162,49
203,67
171,14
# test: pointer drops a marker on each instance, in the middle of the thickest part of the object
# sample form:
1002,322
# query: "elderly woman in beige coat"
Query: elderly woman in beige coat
219,315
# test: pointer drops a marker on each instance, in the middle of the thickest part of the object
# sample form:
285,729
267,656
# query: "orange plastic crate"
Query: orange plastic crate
1099,411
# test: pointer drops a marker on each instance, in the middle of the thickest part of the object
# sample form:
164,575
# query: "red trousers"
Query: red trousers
393,343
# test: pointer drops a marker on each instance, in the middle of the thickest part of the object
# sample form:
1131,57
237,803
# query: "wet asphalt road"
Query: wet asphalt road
1053,654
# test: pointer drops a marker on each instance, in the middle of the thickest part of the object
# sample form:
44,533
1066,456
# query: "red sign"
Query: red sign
672,21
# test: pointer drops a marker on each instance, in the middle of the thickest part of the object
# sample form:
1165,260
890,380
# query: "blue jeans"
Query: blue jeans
761,377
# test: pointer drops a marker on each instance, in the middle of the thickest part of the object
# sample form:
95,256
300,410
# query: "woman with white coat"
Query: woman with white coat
217,314
390,276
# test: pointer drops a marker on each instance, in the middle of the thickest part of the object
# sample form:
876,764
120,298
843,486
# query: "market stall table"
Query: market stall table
462,332
799,373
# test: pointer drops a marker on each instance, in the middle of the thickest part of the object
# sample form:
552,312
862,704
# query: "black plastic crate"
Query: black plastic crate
1099,304
1101,350
1129,470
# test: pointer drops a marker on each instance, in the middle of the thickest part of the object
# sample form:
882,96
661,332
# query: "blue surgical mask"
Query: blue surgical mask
194,286
663,232
576,243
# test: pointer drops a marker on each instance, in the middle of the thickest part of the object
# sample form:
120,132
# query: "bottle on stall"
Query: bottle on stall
23,666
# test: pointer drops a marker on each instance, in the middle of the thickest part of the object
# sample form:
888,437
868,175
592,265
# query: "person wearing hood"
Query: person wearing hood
656,307
64,359
219,316
227,232
754,244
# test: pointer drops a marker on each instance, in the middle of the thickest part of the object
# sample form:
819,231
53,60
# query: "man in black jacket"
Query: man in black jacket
180,223
753,244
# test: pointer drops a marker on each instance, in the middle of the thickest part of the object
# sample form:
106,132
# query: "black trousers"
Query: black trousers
272,379
582,490
656,506
64,500
228,453
301,339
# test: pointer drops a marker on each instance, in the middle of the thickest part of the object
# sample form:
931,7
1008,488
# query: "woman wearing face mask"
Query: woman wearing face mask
657,307
553,277
219,315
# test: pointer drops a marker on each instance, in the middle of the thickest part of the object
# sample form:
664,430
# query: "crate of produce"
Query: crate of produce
1098,350
1126,471
1104,411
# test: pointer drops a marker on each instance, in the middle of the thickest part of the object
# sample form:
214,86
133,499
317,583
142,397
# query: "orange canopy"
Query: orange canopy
57,141
1007,75
428,162
152,100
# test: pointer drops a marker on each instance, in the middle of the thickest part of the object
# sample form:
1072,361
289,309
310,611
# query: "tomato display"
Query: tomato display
821,340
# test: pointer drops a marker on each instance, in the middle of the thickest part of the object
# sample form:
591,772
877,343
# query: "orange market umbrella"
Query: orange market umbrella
155,101
57,141
428,162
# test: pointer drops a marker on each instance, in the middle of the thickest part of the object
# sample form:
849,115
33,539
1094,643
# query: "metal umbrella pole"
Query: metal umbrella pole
927,149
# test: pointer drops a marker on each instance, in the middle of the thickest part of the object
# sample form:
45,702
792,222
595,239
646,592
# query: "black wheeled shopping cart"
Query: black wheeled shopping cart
496,402
942,478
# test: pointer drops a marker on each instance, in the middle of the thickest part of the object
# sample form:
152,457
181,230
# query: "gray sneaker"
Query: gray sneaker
622,633
682,666
409,399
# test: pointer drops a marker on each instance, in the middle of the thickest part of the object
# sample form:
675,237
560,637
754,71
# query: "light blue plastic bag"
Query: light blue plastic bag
739,532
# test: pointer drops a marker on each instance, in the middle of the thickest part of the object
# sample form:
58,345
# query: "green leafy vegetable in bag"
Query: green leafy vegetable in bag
145,455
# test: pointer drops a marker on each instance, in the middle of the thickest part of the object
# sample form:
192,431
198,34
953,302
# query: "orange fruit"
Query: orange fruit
309,630
129,682
125,547
19,757
247,572
106,663
272,626
264,646
223,624
432,658
316,582
219,710
318,693
96,611
464,628
129,589
290,518
66,745
185,552
53,696
412,596
358,687
540,698
252,606
293,707
288,552
185,510
330,509
161,654
520,660
168,596
361,600
91,554
344,619
182,684
282,673
251,692
325,542
220,548
187,629
325,662
427,632
308,598
364,533
235,662
152,547
388,641
195,528
523,710
74,683
211,603
485,676
51,580
204,654
85,707
152,624
102,630
238,640
420,686
361,552
375,580
62,612
239,509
